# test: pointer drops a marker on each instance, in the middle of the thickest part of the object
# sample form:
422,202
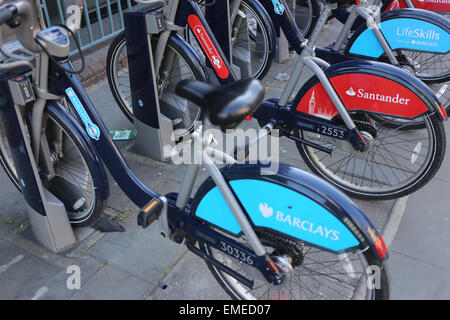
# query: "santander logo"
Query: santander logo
351,92
361,93
217,61
295,222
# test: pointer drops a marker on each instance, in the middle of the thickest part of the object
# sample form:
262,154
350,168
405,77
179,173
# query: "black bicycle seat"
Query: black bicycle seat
226,106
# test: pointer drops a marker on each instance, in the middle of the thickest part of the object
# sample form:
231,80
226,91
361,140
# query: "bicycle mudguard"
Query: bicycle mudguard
369,86
56,110
411,29
293,203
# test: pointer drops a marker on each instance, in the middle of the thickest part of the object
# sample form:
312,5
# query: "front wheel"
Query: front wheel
73,183
316,274
397,163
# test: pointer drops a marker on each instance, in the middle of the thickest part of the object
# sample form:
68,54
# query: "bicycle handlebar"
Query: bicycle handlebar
7,13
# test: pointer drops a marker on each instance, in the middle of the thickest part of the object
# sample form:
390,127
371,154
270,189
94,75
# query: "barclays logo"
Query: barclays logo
265,210
295,222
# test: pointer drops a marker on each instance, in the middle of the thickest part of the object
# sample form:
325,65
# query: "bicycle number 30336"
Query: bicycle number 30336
238,254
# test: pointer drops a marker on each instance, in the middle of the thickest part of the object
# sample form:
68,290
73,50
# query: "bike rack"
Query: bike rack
47,215
218,18
154,137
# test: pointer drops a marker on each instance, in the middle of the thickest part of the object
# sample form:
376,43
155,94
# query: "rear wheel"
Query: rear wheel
397,163
440,89
73,183
315,275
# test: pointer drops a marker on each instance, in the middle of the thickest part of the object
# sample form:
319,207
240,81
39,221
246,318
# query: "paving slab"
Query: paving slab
111,283
412,279
424,230
142,253
25,276
189,280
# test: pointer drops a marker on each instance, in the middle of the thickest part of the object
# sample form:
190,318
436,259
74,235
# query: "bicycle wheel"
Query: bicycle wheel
73,183
397,163
177,66
316,274
306,13
252,39
441,90
427,66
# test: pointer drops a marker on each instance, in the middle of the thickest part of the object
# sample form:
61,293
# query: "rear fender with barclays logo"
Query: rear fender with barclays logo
411,29
292,203
369,86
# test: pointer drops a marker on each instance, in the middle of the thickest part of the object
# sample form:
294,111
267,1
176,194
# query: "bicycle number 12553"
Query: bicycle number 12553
331,132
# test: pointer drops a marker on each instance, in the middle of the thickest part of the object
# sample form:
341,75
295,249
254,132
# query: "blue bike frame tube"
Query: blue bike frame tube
282,18
70,86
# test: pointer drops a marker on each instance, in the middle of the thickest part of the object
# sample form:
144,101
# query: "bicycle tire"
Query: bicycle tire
306,14
306,277
267,30
116,56
72,193
263,38
379,185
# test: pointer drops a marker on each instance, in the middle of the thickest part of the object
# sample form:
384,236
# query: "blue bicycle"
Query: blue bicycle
288,235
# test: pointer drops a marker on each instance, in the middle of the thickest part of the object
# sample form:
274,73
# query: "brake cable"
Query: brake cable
83,63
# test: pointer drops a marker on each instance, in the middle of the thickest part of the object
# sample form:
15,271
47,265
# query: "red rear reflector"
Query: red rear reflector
249,117
443,112
380,247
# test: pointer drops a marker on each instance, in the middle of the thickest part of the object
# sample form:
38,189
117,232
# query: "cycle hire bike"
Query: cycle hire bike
330,119
287,235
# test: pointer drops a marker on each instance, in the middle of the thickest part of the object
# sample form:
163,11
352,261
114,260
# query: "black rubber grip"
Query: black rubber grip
7,13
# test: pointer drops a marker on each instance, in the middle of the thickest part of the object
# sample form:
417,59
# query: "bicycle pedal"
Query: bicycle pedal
150,213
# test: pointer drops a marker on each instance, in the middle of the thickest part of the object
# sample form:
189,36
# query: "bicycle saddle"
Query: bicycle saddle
226,106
